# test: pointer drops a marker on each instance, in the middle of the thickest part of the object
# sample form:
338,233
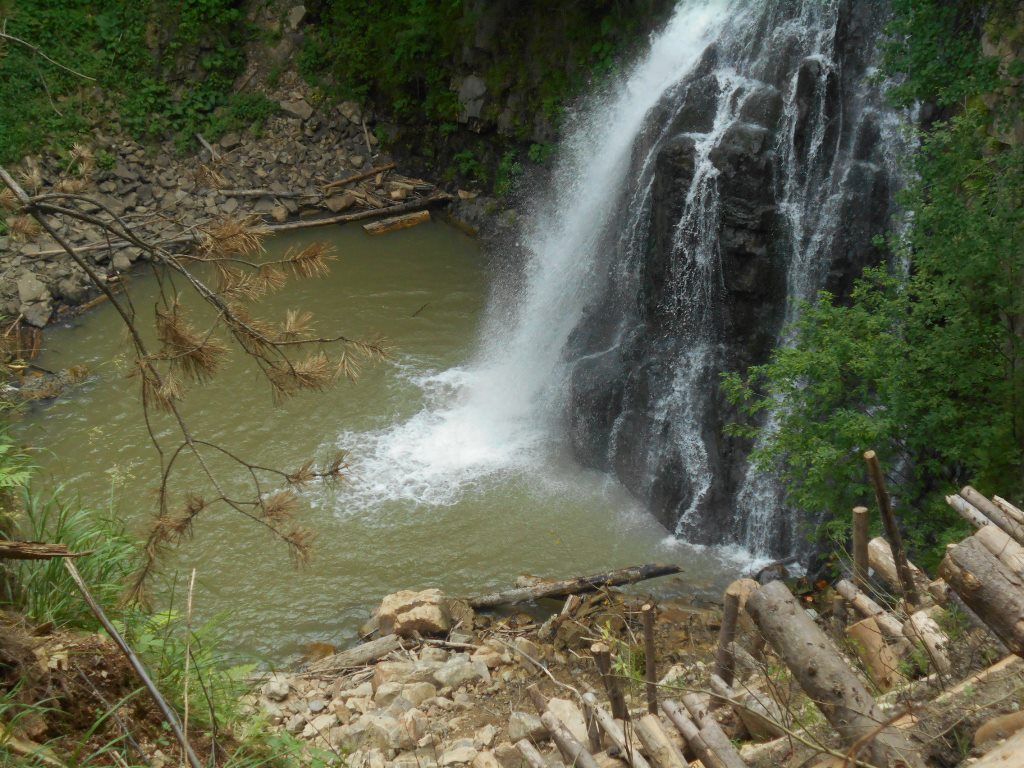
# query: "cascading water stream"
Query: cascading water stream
719,181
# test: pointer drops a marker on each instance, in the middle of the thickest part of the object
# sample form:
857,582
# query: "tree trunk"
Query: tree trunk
691,734
991,589
615,732
921,629
1007,754
760,714
826,679
712,732
573,586
999,543
880,558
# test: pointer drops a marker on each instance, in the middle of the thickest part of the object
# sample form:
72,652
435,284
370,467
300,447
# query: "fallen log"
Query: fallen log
880,662
660,749
572,750
359,176
922,630
968,511
397,222
690,733
736,595
1004,521
356,657
530,754
868,608
573,586
1015,512
999,543
712,732
989,588
615,732
374,213
261,193
946,596
761,715
818,667
35,550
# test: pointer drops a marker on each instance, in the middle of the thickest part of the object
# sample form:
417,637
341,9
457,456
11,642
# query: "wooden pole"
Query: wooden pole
861,525
867,607
892,531
650,659
530,754
1014,512
880,662
725,663
603,658
819,668
838,622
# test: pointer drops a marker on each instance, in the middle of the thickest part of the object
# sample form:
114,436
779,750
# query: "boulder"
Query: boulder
297,108
459,670
472,91
339,203
406,612
571,717
508,756
486,760
459,753
295,16
523,725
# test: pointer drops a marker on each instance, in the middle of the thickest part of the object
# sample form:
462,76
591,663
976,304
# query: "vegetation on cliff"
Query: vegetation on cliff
925,361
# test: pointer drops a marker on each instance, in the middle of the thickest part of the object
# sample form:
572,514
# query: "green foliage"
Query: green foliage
925,362
509,170
133,51
243,110
469,165
43,590
541,153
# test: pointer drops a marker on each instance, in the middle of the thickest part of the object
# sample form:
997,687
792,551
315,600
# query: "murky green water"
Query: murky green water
416,512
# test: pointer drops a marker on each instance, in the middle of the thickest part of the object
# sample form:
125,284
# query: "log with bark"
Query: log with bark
615,731
35,550
999,543
572,586
818,667
922,629
735,598
397,222
989,588
691,733
572,750
968,511
660,749
414,205
760,714
1015,512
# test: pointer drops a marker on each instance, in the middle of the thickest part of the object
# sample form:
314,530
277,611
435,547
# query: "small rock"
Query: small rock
121,262
484,738
523,725
457,755
316,706
417,693
295,16
405,612
320,725
295,724
30,288
338,203
570,715
276,689
387,693
279,213
485,760
297,108
357,161
433,653
459,670
230,205
351,112
508,756
230,140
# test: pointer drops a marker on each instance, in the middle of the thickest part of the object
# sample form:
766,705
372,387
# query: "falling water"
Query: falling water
691,204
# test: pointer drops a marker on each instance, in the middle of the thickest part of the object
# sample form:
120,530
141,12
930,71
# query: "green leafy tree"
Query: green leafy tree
924,361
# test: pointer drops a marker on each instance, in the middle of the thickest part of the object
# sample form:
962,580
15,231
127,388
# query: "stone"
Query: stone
316,706
433,653
571,717
387,693
339,203
295,724
417,693
351,111
357,161
492,657
523,725
295,16
320,725
421,758
230,205
472,91
508,756
279,213
121,262
459,670
486,760
276,689
415,724
484,737
457,755
297,108
30,288
406,612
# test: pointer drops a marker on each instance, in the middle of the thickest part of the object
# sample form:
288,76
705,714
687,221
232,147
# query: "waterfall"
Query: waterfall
745,161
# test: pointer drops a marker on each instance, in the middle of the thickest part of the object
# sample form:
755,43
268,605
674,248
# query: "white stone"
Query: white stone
523,725
484,738
417,693
486,760
276,689
570,715
457,755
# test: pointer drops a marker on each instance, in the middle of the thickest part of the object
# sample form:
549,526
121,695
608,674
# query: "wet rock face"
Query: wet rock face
793,167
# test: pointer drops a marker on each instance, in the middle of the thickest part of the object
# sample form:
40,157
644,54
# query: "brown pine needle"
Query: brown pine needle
303,474
8,200
280,507
232,236
23,227
312,260
196,356
296,323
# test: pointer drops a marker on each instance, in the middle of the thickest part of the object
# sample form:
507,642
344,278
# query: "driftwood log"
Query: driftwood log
989,588
712,732
861,524
359,656
820,670
572,750
615,731
999,543
572,586
881,560
405,221
660,749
